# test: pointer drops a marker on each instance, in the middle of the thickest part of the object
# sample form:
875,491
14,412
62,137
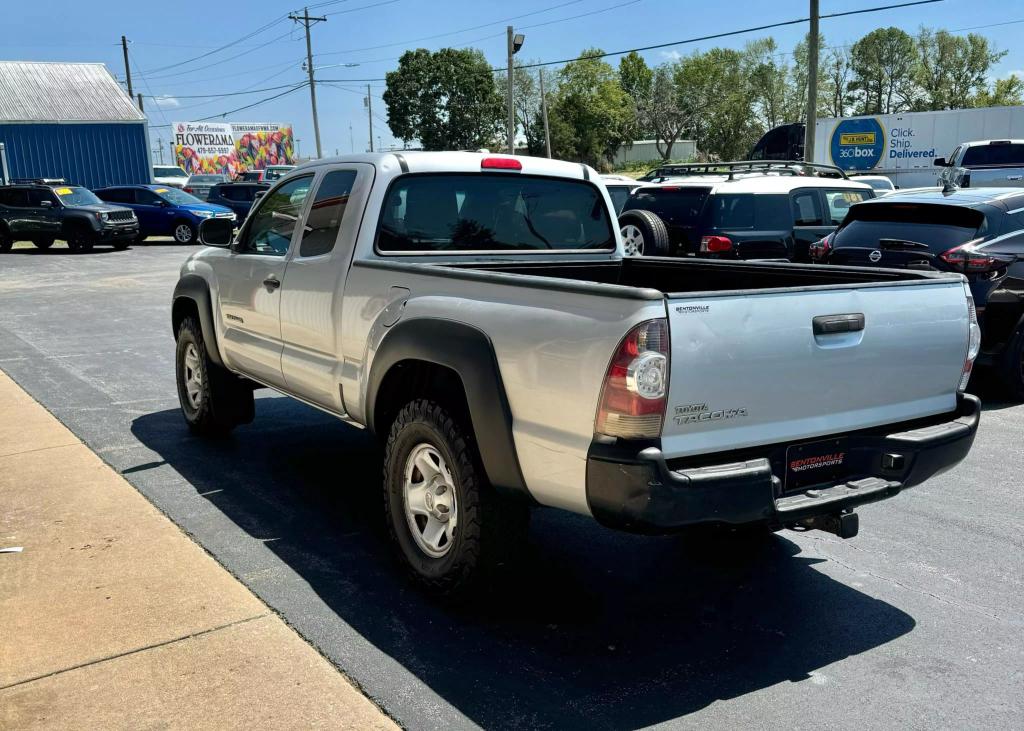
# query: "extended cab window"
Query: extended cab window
326,212
480,212
270,228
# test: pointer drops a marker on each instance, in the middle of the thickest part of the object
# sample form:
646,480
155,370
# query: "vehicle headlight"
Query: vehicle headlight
205,214
104,216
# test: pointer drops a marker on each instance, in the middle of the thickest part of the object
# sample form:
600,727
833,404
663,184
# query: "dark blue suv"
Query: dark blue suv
164,211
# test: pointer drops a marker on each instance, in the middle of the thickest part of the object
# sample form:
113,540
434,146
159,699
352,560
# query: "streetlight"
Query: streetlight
515,42
331,66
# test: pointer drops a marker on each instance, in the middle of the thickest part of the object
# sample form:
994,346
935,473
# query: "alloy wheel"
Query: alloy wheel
428,493
632,240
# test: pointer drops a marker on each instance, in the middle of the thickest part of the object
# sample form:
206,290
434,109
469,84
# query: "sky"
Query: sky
362,40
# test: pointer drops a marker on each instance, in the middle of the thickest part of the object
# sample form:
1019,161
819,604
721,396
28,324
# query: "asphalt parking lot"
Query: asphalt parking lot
916,623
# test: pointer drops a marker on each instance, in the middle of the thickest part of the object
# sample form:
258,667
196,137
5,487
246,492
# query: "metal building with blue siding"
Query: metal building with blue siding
71,121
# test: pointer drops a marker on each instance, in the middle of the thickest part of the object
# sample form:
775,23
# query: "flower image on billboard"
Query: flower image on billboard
232,148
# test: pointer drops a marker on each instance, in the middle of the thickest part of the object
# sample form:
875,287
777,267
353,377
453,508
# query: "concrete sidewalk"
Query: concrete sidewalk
113,618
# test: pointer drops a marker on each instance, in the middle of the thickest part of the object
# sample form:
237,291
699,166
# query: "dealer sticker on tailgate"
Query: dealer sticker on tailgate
815,463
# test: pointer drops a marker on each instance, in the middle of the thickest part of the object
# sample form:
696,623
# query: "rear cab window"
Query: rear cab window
939,227
995,154
493,212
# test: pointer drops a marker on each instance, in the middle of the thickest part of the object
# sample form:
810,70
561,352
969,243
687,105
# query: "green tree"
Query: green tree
773,85
447,99
637,80
884,64
1005,92
717,100
838,93
953,70
594,114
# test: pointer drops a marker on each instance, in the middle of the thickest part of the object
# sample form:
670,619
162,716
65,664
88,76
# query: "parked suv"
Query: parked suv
164,211
741,210
978,232
238,197
44,212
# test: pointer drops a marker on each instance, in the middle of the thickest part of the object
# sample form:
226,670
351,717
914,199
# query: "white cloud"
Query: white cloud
1019,73
671,55
166,102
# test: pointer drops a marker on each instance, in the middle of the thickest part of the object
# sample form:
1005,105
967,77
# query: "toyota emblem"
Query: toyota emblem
875,256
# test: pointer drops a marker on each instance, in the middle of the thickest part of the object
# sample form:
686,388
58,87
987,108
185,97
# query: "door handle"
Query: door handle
829,324
271,282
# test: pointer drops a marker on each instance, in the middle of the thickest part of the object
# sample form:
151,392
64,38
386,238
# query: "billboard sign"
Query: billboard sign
857,144
231,149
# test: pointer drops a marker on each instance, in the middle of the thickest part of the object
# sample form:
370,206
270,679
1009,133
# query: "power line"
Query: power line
295,88
222,94
714,36
275,39
235,42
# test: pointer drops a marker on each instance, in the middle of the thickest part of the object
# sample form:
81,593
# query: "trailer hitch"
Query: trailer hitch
844,525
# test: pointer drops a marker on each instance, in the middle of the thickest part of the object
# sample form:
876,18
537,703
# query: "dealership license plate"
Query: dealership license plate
816,463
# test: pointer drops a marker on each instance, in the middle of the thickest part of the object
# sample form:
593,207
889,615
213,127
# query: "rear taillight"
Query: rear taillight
500,163
819,249
712,244
636,385
973,342
187,189
968,259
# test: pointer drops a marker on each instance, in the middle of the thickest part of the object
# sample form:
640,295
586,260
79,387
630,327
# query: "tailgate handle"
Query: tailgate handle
828,324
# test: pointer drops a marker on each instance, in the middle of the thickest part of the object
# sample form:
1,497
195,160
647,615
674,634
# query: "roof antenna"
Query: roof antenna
949,187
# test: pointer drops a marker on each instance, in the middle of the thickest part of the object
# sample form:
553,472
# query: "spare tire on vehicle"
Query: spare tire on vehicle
643,234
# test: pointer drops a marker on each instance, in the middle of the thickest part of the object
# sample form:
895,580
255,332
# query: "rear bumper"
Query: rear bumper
639,491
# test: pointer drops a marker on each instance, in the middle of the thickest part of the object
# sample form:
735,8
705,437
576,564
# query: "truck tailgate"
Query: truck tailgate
752,368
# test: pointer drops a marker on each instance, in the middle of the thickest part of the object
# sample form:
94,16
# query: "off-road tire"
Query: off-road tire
225,401
490,526
1011,365
79,242
6,242
120,245
652,229
43,243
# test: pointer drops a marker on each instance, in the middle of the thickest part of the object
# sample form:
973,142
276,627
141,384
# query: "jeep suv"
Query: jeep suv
739,210
44,211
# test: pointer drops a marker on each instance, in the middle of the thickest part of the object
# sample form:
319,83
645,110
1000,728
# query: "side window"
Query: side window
270,227
732,211
227,192
839,202
806,208
36,196
115,195
326,213
16,198
146,197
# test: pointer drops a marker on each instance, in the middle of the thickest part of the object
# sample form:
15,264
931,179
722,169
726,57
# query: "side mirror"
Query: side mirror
940,162
217,232
46,204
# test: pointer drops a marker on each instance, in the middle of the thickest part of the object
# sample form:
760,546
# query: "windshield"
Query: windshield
619,195
481,212
76,196
176,197
676,206
994,154
275,173
169,172
938,227
207,179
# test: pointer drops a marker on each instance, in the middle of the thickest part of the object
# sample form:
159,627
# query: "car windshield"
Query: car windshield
169,172
619,195
939,227
676,206
207,179
481,212
994,154
74,196
175,196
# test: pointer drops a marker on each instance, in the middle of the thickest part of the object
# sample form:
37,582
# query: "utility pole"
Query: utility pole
544,115
369,114
127,67
511,103
141,108
813,47
351,139
308,21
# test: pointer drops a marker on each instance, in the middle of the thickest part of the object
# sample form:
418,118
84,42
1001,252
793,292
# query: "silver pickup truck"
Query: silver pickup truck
476,312
984,164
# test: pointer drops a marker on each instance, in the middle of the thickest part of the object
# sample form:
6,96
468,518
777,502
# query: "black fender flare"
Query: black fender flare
468,352
193,287
72,220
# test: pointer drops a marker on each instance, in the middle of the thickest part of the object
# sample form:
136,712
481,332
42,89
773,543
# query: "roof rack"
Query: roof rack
731,169
39,181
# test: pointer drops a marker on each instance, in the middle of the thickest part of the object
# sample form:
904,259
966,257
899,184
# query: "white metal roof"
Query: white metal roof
759,183
32,91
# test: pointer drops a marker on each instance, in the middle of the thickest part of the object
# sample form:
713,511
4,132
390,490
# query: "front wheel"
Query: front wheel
213,400
43,243
643,234
184,232
79,242
448,524
6,242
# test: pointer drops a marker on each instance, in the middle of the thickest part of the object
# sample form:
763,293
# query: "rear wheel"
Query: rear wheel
213,400
447,523
1011,369
6,242
184,232
43,243
643,234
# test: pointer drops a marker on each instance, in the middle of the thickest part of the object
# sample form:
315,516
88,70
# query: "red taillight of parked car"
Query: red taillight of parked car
968,259
819,249
636,384
187,189
715,244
